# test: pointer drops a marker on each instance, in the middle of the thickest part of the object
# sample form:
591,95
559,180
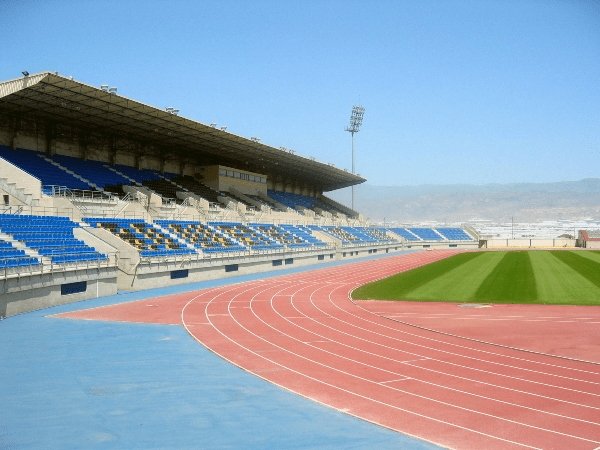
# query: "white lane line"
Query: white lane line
379,274
346,410
448,374
209,319
378,368
476,350
393,381
463,356
413,360
389,387
355,393
444,387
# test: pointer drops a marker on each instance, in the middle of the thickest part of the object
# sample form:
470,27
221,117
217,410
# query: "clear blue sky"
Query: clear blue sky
454,91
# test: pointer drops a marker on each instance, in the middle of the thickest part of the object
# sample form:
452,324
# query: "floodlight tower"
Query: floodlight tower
356,119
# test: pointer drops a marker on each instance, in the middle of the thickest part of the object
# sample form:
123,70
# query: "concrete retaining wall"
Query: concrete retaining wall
31,292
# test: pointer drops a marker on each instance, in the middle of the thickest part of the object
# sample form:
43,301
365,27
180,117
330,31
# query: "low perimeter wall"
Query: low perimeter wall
529,243
417,245
36,291
149,274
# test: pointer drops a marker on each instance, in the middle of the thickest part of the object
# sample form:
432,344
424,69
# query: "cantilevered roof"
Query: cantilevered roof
64,100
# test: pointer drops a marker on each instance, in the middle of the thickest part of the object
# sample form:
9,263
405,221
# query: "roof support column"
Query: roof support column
137,162
84,138
13,129
112,152
50,134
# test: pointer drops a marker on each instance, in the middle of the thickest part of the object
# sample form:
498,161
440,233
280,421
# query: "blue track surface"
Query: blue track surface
100,385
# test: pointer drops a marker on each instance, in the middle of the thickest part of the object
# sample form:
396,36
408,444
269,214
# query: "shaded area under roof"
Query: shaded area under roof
53,97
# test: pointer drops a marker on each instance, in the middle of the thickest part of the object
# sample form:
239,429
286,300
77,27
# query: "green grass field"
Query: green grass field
543,277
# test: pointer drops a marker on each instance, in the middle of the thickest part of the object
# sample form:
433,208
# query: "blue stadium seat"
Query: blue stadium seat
94,171
145,237
427,234
454,234
403,232
31,162
50,236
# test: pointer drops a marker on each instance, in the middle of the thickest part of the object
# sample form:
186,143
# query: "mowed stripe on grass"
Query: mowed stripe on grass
586,267
398,286
511,281
594,255
460,283
558,283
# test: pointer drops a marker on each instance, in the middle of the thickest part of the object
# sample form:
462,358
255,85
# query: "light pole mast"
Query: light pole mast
356,119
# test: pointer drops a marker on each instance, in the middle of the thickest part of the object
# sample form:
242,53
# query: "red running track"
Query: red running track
303,333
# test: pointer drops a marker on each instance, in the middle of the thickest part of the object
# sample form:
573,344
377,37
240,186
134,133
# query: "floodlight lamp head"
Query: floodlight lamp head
112,90
169,109
104,87
214,124
223,128
25,73
175,112
356,119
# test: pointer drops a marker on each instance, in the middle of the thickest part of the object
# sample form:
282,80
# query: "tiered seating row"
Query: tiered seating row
224,237
403,232
143,236
95,172
246,236
293,200
99,175
303,233
32,162
136,174
190,184
429,234
13,257
338,233
49,236
287,235
454,234
205,237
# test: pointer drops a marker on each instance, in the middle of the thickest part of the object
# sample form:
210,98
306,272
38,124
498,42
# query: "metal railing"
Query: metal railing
13,210
225,256
80,194
121,215
46,264
40,211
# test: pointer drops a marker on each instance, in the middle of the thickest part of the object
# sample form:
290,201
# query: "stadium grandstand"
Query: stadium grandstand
103,193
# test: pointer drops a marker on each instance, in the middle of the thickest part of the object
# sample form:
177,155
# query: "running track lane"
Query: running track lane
303,333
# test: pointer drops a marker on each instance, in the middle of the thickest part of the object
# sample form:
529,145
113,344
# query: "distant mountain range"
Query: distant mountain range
458,203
